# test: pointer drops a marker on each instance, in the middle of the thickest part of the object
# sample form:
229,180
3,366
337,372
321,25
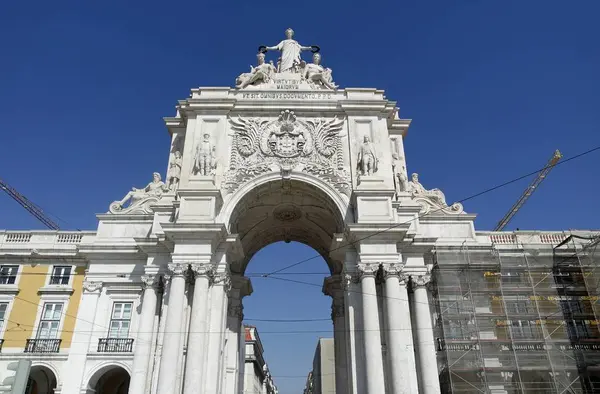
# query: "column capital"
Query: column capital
392,270
421,280
367,269
177,269
150,281
222,279
90,286
349,278
202,269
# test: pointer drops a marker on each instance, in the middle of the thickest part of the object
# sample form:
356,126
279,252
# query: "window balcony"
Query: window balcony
115,345
42,345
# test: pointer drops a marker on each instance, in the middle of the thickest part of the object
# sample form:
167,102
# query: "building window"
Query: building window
8,274
524,329
60,275
516,307
3,307
457,329
120,320
50,321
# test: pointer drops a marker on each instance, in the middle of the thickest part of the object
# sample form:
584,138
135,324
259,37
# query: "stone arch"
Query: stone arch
43,378
106,371
271,209
341,201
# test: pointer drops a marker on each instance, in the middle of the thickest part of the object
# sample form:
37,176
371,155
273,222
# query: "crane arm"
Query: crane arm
529,191
29,206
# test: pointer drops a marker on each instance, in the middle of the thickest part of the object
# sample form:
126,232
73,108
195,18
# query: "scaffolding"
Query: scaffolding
518,318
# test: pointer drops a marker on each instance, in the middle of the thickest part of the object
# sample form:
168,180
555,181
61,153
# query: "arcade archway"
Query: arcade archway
110,379
42,380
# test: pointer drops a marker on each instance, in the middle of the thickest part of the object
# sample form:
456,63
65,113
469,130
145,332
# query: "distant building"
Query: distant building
321,380
257,377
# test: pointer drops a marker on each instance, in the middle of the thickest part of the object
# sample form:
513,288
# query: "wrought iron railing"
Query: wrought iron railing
115,345
42,345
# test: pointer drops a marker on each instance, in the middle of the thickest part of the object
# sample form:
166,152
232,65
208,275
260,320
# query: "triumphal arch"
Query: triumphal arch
285,155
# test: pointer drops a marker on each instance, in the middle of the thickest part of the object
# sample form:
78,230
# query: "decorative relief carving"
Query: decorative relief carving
287,213
432,199
368,269
140,199
337,310
309,145
91,286
235,311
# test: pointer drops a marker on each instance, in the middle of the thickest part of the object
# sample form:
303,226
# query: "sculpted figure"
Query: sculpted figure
400,179
204,159
174,173
290,52
153,189
316,73
261,73
435,195
367,158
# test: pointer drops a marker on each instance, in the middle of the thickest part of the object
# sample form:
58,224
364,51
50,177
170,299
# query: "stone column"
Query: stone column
333,287
80,344
167,378
372,336
401,355
218,309
143,340
428,380
235,315
196,354
355,360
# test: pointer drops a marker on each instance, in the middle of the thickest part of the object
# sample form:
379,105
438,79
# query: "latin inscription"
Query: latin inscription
288,96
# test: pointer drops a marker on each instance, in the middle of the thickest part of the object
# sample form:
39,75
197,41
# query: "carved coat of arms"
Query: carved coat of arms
312,145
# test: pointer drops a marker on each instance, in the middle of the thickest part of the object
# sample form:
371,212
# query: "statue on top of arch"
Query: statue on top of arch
290,65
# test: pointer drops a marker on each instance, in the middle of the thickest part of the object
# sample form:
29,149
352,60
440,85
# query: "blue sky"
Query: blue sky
493,88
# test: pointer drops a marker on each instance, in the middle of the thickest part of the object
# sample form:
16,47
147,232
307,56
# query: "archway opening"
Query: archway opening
111,379
286,210
41,380
287,229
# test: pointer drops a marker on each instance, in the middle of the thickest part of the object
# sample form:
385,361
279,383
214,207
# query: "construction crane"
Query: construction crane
29,206
529,191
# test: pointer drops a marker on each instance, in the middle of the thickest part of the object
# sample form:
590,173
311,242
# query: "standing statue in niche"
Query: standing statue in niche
174,173
137,197
318,74
367,158
261,73
435,195
204,160
400,179
290,53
